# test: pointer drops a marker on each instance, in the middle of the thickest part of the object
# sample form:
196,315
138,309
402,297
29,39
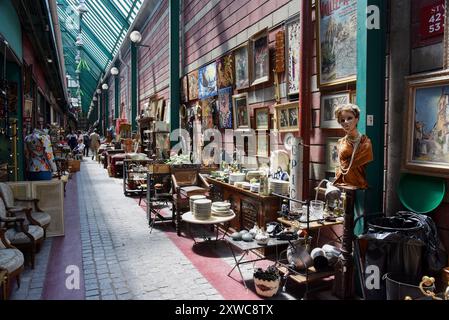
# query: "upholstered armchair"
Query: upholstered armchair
11,261
19,233
37,217
186,181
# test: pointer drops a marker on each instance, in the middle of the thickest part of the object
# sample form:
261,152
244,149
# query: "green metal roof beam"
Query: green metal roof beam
121,32
116,13
95,39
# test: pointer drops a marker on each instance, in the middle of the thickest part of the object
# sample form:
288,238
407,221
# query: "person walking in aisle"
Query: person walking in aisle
94,143
86,139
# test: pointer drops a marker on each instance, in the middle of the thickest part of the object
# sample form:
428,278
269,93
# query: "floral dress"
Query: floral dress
39,152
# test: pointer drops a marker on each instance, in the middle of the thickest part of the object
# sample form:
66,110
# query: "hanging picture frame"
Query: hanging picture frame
263,144
241,67
293,55
192,83
208,113
332,154
241,114
225,71
262,118
224,105
427,133
287,117
207,80
184,89
260,58
336,42
327,109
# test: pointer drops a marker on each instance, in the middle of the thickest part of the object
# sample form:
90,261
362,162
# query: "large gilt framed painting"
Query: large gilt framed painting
427,125
337,42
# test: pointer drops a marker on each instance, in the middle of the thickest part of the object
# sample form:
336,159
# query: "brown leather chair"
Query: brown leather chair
186,181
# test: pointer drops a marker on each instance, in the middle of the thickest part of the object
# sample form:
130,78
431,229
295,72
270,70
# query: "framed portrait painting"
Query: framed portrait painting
241,114
224,105
337,42
225,70
331,154
262,118
192,83
207,81
241,67
293,57
327,109
260,58
427,140
287,117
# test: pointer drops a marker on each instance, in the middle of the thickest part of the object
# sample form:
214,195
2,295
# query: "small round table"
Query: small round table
213,220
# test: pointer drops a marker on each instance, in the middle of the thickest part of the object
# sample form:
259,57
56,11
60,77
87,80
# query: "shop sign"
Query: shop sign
432,20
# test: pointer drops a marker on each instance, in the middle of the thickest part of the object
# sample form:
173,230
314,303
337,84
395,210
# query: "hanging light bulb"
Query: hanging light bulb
94,99
82,8
98,90
79,40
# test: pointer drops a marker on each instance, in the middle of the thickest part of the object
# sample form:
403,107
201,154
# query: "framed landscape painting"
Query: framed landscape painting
207,80
241,67
427,139
337,42
327,109
241,114
260,58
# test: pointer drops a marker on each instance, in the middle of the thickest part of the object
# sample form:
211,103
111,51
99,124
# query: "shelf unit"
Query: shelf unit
135,176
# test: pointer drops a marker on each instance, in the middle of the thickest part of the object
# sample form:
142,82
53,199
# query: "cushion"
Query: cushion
21,238
7,194
192,190
42,217
11,259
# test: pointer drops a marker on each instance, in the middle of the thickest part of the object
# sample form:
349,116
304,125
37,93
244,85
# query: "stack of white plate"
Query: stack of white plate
279,186
192,199
255,187
202,209
246,185
236,177
221,209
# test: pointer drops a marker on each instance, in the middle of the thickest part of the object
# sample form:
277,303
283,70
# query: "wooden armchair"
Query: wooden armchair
37,217
19,233
186,181
11,263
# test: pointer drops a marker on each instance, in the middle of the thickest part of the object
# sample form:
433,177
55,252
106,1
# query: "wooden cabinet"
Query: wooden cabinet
249,207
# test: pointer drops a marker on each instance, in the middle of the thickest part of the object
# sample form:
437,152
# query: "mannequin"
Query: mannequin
354,149
39,154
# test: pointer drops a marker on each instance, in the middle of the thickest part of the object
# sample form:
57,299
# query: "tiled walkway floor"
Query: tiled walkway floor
118,258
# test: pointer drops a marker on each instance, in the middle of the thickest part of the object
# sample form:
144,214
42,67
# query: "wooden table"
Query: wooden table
213,220
314,225
250,208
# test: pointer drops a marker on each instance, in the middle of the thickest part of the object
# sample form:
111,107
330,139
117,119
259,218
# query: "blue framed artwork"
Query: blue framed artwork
207,81
224,106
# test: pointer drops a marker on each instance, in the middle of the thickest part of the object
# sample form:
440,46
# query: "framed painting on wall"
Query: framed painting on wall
241,114
263,144
184,89
224,105
293,56
225,70
260,58
192,82
207,81
262,118
241,67
337,42
327,109
331,154
208,113
427,139
287,117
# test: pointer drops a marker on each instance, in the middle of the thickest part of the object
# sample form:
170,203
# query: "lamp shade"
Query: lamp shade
79,41
105,86
135,36
114,71
98,90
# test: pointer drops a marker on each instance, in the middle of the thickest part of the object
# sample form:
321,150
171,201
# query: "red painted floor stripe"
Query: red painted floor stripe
66,251
210,265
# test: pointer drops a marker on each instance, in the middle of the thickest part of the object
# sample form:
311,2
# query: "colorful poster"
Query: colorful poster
225,108
207,79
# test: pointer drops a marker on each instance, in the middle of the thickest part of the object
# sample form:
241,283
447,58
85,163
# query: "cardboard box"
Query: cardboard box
74,165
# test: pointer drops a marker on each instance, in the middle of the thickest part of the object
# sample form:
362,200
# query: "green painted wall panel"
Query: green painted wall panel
10,27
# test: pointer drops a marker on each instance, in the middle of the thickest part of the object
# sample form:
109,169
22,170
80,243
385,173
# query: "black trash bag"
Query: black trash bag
435,256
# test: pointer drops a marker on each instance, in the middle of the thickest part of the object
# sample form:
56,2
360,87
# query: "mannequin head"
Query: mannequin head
348,117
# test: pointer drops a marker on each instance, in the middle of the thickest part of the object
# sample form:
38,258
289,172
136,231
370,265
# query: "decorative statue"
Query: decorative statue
354,149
